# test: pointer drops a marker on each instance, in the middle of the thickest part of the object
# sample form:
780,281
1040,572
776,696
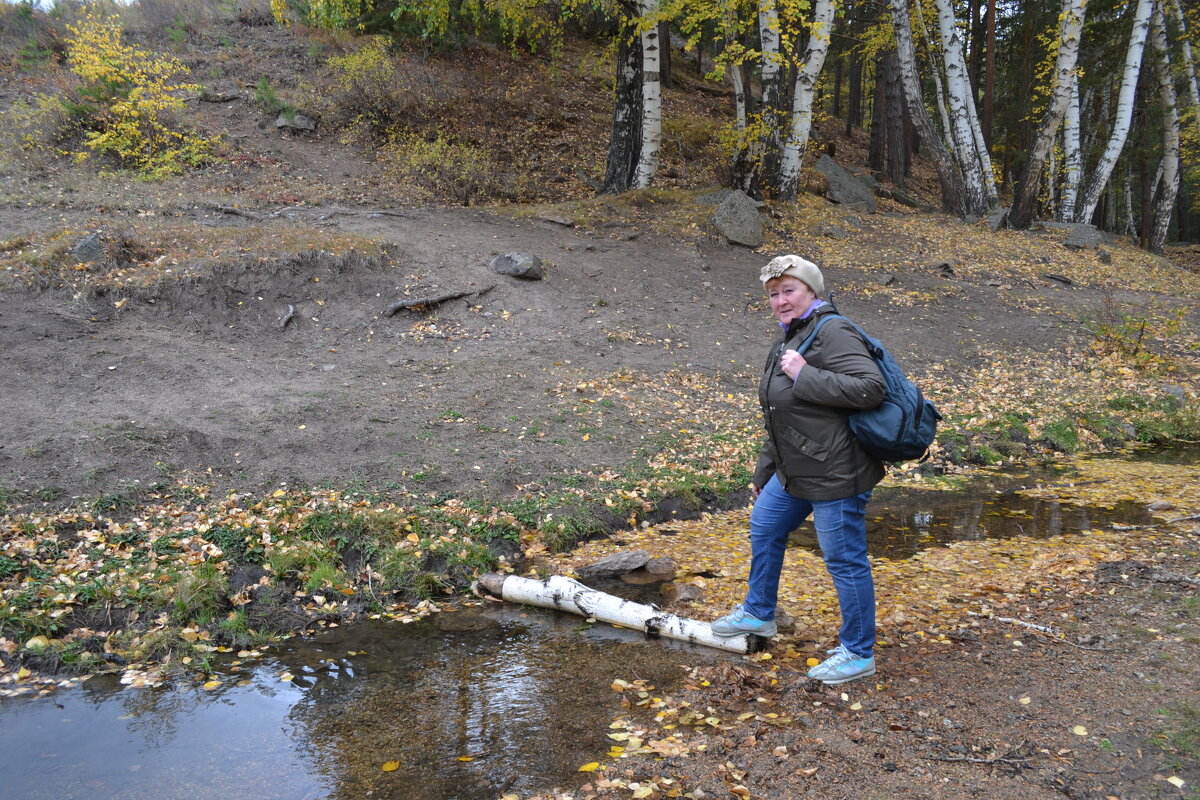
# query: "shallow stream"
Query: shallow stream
467,705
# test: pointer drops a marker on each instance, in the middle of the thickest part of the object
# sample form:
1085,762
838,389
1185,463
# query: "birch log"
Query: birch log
570,595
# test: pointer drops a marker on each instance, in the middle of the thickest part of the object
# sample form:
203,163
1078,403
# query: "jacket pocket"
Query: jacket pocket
813,449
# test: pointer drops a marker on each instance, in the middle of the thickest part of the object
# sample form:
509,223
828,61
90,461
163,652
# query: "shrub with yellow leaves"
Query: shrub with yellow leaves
326,14
127,100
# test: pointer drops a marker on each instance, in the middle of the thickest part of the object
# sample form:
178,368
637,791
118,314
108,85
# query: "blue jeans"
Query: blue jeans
842,534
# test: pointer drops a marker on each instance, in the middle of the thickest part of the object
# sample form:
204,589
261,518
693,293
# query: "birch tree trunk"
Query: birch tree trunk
958,90
1189,66
771,79
651,100
1070,31
802,100
741,171
954,196
625,137
1116,142
939,90
569,595
1168,183
1072,152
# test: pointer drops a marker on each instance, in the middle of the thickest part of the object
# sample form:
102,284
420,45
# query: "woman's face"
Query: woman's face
790,297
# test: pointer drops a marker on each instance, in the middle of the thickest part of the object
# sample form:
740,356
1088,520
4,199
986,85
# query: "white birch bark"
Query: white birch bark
1189,65
565,594
939,90
1124,114
651,100
1070,32
802,99
985,158
1168,182
1072,152
954,193
958,88
771,74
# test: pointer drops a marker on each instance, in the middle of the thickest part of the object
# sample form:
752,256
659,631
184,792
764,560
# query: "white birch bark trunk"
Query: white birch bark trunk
985,158
569,595
1070,32
954,194
771,76
938,88
1164,202
958,88
1189,65
802,99
1072,152
651,100
1124,114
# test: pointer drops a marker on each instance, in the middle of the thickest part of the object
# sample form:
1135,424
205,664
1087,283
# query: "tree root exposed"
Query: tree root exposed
433,300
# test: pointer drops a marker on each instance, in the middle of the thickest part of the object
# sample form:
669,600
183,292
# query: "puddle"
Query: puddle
902,521
469,705
517,700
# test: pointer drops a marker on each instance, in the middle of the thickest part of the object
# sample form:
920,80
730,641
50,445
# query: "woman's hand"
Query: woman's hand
754,491
791,363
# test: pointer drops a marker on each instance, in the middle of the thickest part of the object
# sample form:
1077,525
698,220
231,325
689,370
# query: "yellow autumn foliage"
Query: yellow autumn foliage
127,100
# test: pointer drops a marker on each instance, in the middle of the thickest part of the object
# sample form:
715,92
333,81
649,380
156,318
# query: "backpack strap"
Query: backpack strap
820,324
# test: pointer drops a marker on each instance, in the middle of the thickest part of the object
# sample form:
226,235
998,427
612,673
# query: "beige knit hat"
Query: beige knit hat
797,267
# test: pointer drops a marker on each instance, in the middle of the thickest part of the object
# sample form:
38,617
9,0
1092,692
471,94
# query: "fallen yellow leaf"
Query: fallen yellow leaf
1025,701
465,758
1079,730
391,766
210,685
591,766
1177,782
23,673
812,662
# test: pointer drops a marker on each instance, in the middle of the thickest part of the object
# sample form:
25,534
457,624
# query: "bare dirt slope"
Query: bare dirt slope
198,374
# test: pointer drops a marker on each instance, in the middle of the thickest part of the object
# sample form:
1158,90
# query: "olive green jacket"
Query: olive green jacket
809,444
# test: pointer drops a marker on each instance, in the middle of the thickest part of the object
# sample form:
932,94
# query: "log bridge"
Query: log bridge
567,594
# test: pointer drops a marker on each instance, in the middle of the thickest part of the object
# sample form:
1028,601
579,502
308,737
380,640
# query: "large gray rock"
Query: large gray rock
1080,235
997,219
616,564
844,188
518,265
738,220
89,248
682,593
296,121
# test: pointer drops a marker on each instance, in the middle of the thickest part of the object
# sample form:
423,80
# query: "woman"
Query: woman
812,464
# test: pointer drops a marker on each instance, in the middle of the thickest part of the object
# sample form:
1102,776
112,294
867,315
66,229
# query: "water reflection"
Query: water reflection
474,714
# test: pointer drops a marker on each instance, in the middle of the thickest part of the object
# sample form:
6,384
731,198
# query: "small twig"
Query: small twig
1010,757
418,302
291,312
993,760
1013,621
